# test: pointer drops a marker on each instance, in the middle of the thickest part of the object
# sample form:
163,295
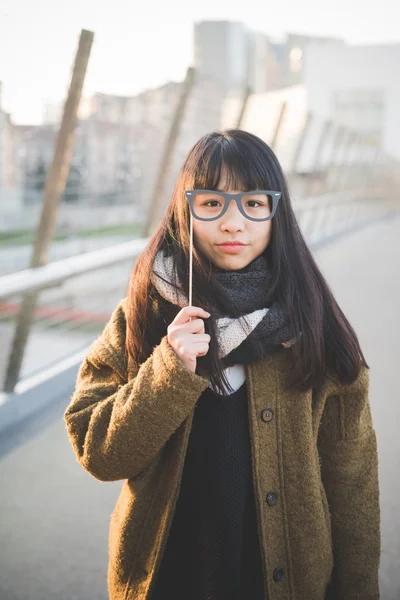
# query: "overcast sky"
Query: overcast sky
142,45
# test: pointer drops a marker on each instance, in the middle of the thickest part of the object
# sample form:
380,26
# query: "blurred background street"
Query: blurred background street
99,106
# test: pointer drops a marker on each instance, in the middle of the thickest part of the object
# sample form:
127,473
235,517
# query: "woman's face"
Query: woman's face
231,226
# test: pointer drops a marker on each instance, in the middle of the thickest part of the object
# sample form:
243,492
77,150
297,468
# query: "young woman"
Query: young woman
240,421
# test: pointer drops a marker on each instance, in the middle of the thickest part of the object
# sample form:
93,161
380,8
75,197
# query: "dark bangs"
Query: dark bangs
246,165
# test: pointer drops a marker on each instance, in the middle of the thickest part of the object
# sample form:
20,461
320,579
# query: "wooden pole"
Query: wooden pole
55,185
300,143
355,139
278,126
335,180
361,167
319,151
340,137
243,106
58,172
327,126
157,204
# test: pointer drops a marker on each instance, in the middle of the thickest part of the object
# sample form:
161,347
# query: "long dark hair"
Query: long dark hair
326,343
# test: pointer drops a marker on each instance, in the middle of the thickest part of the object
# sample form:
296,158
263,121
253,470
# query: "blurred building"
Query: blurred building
265,64
203,113
102,165
357,87
119,142
236,56
32,152
52,111
110,158
292,54
221,51
6,153
149,114
151,106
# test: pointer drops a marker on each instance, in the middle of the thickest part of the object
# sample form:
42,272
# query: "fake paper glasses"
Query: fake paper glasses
256,205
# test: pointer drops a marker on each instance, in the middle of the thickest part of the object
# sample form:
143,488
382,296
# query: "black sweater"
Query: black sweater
213,549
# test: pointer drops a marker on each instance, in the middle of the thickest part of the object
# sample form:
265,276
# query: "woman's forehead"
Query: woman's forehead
229,181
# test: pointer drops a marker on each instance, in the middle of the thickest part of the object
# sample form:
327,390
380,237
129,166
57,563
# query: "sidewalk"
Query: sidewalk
363,272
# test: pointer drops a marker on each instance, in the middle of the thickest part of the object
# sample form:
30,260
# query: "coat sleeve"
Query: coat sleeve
117,426
347,448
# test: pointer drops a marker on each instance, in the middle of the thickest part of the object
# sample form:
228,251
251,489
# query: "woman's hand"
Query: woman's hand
187,338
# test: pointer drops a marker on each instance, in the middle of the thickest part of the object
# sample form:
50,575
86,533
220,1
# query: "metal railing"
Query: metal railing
30,280
77,294
75,298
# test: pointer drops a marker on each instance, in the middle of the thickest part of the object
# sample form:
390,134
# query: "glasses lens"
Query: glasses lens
210,205
258,206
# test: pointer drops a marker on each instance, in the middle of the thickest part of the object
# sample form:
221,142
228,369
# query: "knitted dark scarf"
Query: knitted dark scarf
248,288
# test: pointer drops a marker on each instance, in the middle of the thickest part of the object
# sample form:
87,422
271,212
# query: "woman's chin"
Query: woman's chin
231,262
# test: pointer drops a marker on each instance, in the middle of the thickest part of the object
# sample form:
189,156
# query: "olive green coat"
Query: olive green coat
317,451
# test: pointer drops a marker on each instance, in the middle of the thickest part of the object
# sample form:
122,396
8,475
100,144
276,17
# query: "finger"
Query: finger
190,312
195,326
202,349
200,338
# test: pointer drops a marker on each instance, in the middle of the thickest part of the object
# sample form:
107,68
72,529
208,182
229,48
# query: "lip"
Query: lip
232,244
232,247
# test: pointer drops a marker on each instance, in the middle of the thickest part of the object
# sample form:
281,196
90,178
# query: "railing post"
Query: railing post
326,128
300,144
157,202
353,140
337,145
278,126
246,96
55,185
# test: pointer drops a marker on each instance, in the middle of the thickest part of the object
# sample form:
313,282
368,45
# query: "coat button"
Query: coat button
267,415
271,499
278,574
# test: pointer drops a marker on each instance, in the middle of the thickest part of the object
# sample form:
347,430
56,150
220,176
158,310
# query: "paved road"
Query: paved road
55,517
363,271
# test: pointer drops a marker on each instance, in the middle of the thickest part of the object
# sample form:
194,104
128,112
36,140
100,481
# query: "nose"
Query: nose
233,217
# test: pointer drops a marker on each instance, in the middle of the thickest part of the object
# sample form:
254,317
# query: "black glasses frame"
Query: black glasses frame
238,197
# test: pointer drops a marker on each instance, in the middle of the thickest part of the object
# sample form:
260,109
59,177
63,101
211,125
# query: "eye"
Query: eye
208,201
